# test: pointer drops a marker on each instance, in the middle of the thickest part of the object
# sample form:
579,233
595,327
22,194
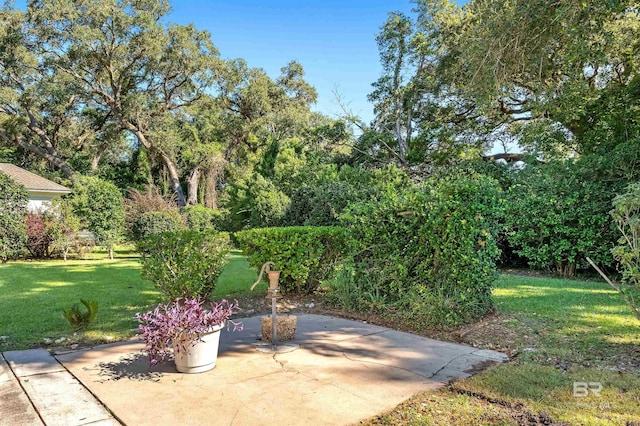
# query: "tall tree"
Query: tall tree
38,108
124,61
420,117
394,96
567,62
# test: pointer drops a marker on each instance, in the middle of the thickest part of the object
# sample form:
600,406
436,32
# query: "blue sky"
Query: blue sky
334,40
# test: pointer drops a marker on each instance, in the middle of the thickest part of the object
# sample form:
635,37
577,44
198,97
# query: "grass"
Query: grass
237,277
561,332
33,295
558,331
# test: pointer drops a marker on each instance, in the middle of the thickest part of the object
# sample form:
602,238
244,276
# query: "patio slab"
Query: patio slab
38,389
343,372
15,407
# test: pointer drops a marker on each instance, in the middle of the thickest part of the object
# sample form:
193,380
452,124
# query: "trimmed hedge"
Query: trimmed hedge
184,263
306,255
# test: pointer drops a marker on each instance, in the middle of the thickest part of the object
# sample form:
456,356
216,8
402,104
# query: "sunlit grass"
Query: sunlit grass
33,295
567,331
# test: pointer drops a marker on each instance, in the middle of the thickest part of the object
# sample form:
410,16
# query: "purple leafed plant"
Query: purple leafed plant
180,323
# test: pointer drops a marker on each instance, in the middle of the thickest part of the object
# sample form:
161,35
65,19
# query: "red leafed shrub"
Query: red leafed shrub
38,235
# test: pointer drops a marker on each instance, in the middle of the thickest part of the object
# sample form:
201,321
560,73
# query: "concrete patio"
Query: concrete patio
343,372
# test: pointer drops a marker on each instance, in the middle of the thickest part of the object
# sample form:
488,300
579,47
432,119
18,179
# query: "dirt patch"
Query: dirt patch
517,411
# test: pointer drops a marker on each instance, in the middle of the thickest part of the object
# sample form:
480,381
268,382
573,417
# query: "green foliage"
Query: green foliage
13,211
100,206
150,223
322,203
255,202
626,214
557,214
200,218
305,255
65,228
184,263
428,251
78,319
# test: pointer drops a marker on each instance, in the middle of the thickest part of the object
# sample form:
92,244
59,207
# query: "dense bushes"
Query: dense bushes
149,223
100,207
201,218
429,251
184,263
254,202
13,211
557,215
322,203
305,255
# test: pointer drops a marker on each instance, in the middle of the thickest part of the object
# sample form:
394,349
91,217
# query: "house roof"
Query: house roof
32,181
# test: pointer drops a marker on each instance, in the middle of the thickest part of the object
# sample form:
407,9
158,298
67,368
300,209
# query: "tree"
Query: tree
123,61
37,107
100,207
13,212
575,64
201,141
394,96
420,117
65,226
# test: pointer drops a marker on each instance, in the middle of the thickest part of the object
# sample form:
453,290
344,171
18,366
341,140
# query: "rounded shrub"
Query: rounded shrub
150,223
184,263
201,218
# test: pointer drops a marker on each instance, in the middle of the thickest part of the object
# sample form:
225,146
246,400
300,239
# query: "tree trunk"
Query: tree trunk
174,177
212,174
170,165
193,183
95,159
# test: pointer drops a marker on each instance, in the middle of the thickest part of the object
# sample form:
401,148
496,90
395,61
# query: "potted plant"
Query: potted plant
188,328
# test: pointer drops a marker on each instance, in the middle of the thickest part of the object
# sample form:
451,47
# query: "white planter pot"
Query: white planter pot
201,355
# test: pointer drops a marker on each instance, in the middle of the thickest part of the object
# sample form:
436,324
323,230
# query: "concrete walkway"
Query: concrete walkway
36,389
343,372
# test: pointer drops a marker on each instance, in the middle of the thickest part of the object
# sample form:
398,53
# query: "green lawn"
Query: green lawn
34,293
562,331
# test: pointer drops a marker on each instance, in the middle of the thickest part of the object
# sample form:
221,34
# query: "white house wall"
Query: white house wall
40,201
